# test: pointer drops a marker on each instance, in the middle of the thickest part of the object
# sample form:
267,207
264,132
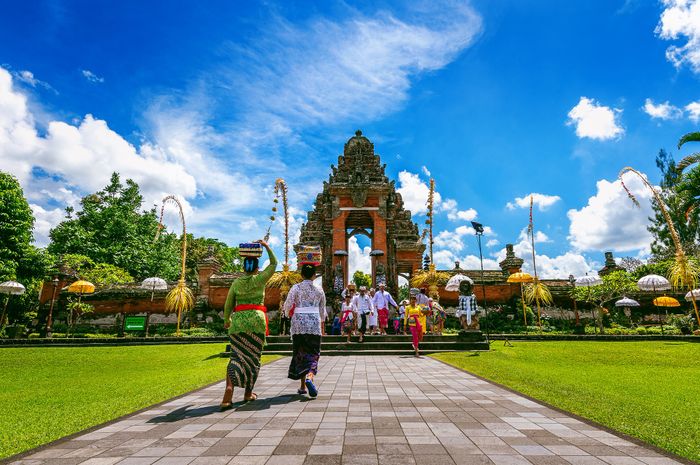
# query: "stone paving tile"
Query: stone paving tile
369,411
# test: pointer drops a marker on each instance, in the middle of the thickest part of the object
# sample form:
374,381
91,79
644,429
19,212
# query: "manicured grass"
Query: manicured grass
48,393
650,390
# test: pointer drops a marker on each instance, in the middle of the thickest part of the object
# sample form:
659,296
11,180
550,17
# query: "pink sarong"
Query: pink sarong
417,333
383,314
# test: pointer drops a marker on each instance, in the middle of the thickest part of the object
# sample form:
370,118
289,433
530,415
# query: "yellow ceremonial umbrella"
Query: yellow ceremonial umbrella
521,277
666,301
81,287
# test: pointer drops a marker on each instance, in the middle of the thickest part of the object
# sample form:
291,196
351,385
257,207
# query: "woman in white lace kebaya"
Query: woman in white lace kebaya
306,306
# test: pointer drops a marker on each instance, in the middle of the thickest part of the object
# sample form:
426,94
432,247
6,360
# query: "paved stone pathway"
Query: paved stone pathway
370,410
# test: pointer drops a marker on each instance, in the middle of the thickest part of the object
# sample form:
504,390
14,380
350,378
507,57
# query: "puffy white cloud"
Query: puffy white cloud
662,111
414,192
445,259
541,201
67,161
693,109
610,221
595,121
548,267
453,213
492,242
425,170
92,77
680,20
358,257
453,241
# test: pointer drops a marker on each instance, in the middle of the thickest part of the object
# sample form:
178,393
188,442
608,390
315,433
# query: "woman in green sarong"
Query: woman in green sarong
246,321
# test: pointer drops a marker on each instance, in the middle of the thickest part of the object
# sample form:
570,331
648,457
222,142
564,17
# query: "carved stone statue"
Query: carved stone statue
467,310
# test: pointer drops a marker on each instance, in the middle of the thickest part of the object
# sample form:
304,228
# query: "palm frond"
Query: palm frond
538,292
180,298
430,277
687,161
690,137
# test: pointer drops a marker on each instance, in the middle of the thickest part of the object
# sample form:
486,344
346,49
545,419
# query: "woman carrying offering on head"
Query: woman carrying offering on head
414,319
246,320
306,305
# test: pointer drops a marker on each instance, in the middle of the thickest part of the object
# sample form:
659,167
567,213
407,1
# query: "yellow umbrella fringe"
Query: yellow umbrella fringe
538,291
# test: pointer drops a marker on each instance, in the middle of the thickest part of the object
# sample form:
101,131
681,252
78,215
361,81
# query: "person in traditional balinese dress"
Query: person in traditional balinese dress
306,306
439,317
414,320
348,316
365,309
381,300
373,317
246,320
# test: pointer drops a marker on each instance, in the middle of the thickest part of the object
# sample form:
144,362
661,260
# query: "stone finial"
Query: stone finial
457,265
358,133
511,264
610,265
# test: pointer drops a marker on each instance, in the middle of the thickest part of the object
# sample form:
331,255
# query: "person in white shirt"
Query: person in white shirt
365,309
348,317
381,300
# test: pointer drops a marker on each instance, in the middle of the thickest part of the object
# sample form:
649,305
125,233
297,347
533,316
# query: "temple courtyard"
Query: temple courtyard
397,410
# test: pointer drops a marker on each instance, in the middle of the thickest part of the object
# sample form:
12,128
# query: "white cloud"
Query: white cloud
27,77
358,257
414,192
76,159
662,111
492,242
453,213
595,121
680,20
548,267
92,77
693,109
425,170
445,259
453,241
610,221
541,201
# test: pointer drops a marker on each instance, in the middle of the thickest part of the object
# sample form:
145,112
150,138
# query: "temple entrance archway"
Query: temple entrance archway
359,200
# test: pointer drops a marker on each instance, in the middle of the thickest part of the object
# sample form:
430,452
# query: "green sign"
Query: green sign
135,323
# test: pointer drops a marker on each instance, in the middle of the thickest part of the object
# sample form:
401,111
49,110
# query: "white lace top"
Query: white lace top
305,295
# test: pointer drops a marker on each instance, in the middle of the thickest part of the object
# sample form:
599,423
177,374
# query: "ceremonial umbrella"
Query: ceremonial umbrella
154,284
521,277
589,282
9,288
454,282
654,282
693,296
627,304
81,287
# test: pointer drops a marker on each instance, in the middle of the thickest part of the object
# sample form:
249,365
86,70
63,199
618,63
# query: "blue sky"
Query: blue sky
496,100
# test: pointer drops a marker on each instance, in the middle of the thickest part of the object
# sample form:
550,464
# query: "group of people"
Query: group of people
245,318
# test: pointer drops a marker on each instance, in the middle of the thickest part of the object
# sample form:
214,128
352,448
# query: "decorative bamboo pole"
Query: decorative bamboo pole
180,298
684,272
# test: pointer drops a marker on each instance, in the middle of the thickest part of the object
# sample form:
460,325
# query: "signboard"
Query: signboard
135,323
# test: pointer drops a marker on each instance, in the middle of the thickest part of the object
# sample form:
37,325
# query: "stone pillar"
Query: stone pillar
206,268
610,265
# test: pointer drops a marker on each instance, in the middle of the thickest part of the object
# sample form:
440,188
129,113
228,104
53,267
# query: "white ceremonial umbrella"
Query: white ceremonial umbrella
692,295
10,288
454,282
589,282
154,284
626,302
653,282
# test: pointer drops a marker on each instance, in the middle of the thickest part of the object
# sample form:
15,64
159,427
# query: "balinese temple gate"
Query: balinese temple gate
358,198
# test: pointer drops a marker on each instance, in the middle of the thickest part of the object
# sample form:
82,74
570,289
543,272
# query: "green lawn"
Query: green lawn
48,393
650,390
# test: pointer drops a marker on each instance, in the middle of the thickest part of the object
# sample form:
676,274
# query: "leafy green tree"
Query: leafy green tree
16,224
361,279
676,192
202,247
614,286
112,228
105,274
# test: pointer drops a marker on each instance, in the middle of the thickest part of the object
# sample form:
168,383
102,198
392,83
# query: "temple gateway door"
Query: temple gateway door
358,198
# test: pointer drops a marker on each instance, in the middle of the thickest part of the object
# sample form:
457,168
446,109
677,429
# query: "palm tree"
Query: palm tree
689,184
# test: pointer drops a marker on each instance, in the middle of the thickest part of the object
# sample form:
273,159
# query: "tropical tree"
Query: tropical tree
111,227
614,286
361,279
16,224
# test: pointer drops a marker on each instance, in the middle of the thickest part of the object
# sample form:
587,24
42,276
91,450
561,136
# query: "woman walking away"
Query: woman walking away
415,321
246,321
348,316
306,305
